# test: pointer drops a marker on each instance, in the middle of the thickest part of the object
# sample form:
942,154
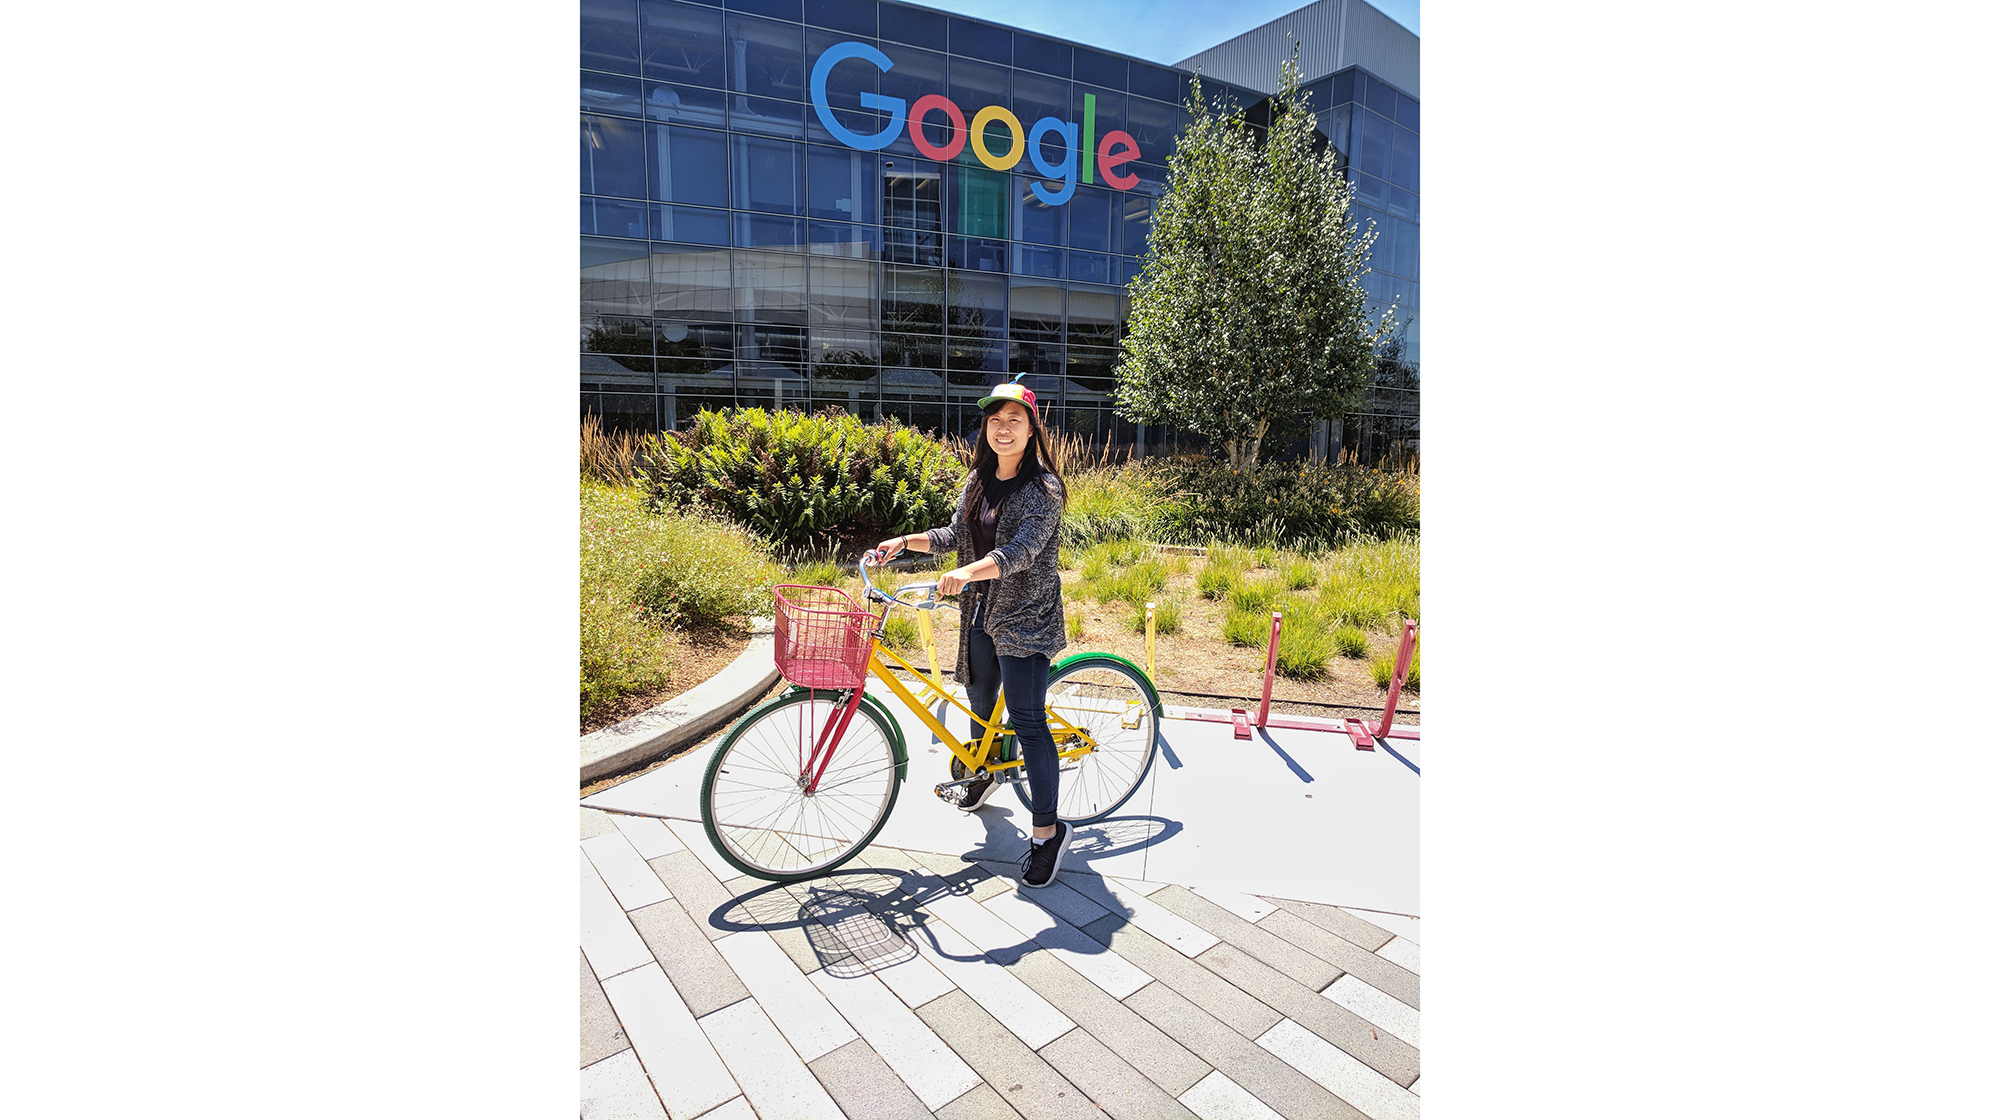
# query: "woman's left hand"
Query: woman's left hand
954,581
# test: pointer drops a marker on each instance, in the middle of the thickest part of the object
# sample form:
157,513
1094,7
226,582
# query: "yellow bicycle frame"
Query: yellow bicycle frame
1063,731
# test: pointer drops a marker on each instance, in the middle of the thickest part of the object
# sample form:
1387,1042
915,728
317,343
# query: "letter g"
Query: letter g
841,52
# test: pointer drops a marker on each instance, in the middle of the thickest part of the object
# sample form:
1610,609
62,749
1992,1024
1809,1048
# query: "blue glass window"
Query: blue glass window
1403,159
1132,267
978,254
1110,112
1036,96
1369,189
856,17
1403,204
1406,113
776,9
1037,260
1093,268
1156,82
687,223
758,231
918,27
1032,52
767,116
1342,90
1035,220
917,73
981,40
844,292
1335,124
1373,143
613,156
1136,215
683,43
846,82
605,217
842,239
766,59
610,38
976,305
1152,125
1043,363
1093,316
609,93
867,122
1382,97
975,357
1090,220
688,164
768,175
841,183
1320,94
975,85
1099,69
686,104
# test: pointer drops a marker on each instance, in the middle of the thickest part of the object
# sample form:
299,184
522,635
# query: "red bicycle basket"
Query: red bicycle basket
823,638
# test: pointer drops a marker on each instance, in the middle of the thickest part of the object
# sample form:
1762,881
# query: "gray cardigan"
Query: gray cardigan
1024,607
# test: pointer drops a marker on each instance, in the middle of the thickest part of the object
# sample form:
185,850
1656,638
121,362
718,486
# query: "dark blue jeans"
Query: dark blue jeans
1027,682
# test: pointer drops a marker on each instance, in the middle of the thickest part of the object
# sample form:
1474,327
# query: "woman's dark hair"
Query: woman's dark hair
1041,456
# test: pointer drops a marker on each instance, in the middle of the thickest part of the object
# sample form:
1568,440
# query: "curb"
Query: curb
686,717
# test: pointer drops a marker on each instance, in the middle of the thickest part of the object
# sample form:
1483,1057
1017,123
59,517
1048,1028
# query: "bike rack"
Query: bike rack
1361,732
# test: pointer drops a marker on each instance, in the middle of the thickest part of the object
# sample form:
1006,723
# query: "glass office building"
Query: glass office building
737,252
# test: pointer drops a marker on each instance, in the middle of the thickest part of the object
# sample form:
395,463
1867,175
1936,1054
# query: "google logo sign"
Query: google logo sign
1115,149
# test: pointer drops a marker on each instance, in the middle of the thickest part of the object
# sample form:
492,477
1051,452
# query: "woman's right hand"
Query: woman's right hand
889,549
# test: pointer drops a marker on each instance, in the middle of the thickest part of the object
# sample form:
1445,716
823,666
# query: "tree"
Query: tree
1248,315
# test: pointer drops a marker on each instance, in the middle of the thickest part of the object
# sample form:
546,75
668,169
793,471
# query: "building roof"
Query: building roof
1332,35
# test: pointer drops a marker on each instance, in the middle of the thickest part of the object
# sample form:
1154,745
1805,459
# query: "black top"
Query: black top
993,494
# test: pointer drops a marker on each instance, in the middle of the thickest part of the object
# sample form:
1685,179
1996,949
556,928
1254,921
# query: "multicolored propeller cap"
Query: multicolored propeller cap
1011,391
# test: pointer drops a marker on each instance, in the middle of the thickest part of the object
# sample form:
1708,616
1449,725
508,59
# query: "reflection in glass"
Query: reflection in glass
614,278
977,254
683,42
976,304
770,287
686,104
613,156
921,351
767,230
606,217
840,183
913,299
687,165
1091,268
1035,220
843,293
1037,260
691,282
1034,311
768,175
1093,316
765,58
979,201
610,37
767,116
686,223
1090,220
609,93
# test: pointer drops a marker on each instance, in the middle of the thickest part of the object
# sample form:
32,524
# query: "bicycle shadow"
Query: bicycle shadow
861,920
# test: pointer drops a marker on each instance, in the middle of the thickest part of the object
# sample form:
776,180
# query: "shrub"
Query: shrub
1074,621
900,631
1109,503
1383,669
819,571
1095,568
645,574
1305,646
807,483
1247,628
1350,641
1374,584
1300,574
1259,596
1214,581
1266,557
1166,617
1322,504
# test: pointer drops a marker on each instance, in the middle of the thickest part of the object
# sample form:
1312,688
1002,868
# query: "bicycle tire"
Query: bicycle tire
755,812
1098,784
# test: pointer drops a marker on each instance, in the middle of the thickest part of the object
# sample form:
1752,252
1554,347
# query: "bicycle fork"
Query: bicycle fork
829,737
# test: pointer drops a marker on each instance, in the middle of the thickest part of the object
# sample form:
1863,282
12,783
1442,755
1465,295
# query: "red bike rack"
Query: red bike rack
1361,732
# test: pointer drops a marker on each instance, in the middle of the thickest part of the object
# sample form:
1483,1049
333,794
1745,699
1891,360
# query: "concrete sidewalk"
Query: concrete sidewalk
1218,948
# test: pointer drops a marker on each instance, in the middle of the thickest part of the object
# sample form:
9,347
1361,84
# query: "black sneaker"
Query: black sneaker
1038,867
973,796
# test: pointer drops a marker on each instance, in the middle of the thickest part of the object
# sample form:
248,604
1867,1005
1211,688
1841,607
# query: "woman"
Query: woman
1005,531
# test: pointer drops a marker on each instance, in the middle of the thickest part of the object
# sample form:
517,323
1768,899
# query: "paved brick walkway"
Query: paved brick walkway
916,984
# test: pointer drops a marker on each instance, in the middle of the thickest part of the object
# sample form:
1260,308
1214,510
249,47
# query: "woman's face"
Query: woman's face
1008,430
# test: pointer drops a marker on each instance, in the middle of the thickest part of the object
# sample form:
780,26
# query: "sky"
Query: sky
1157,30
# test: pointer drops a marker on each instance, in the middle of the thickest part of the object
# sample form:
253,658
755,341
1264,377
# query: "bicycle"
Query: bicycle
800,785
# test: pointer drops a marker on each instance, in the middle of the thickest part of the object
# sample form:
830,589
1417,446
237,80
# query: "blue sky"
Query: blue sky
1158,30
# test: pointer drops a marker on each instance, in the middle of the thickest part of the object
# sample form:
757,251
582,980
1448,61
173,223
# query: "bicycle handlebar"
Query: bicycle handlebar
930,602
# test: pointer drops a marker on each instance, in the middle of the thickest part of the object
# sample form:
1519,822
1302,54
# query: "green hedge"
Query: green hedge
808,483
1277,502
